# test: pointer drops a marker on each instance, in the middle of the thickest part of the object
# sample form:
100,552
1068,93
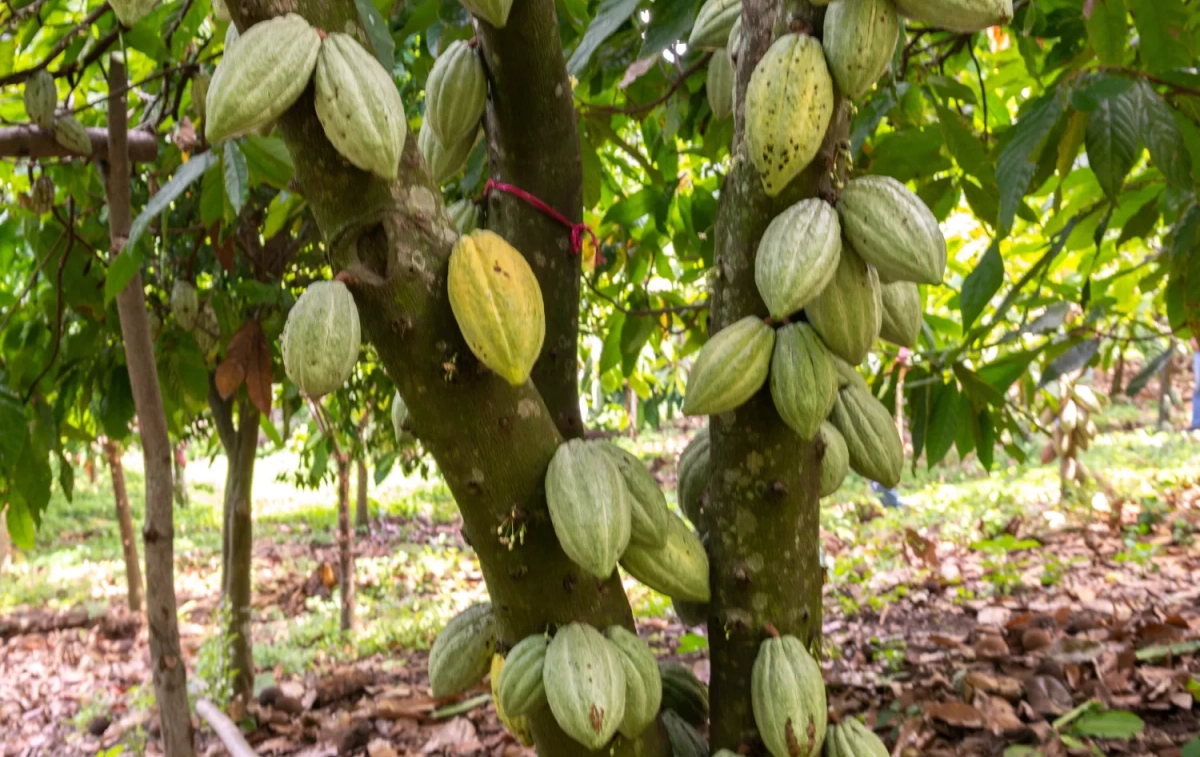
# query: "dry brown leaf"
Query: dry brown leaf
453,737
412,708
1009,688
223,249
258,369
957,714
381,748
991,648
999,715
1048,696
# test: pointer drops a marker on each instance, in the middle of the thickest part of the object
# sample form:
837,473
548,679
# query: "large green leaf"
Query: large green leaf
1162,33
981,284
1163,137
609,17
1107,31
183,178
1016,166
1112,141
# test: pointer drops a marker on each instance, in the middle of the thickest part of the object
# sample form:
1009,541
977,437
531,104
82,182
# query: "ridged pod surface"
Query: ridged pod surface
521,690
321,338
359,106
585,684
797,256
685,740
41,97
836,462
184,304
399,416
902,317
735,38
719,85
731,367
72,135
648,511
495,12
678,568
443,162
849,311
804,382
851,738
958,15
787,695
497,303
859,39
872,443
465,215
684,693
643,687
261,76
456,94
462,653
789,104
713,24
692,475
129,12
589,506
517,725
848,375
41,195
208,329
890,228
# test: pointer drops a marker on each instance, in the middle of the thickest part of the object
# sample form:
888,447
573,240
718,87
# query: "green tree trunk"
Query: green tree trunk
133,571
362,513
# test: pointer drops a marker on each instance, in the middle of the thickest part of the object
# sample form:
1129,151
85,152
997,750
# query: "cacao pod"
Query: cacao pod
860,38
873,446
155,324
835,463
129,12
643,687
185,305
890,228
788,698
902,317
648,511
462,653
735,39
495,12
690,614
359,106
261,76
1085,396
72,135
585,684
719,86
962,16
691,475
1069,416
517,725
521,690
789,104
797,256
200,84
685,740
851,738
220,10
724,753
41,97
731,368
208,329
848,375
804,382
684,693
232,35
443,162
465,215
679,568
849,311
497,303
713,24
589,506
399,417
41,195
456,94
321,339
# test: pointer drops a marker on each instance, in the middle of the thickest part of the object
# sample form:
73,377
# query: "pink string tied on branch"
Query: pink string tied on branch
580,232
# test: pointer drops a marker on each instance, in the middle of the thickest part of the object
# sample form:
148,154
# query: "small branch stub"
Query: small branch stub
770,630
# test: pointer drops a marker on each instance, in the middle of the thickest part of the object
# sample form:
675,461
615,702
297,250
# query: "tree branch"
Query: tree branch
31,142
637,109
226,731
16,77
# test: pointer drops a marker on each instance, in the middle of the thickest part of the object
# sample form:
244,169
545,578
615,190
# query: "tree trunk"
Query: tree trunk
4,540
1164,389
166,657
345,542
1118,378
181,487
362,514
133,572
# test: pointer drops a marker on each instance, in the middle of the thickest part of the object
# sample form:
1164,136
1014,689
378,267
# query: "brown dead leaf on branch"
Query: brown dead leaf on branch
247,360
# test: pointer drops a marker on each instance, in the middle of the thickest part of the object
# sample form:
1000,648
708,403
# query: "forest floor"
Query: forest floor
984,617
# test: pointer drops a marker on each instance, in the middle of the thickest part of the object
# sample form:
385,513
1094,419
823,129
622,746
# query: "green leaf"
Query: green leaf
268,160
1140,223
1163,137
1016,166
966,148
1162,29
20,523
378,33
1112,141
1107,31
212,195
943,423
270,431
670,20
593,171
183,178
611,354
16,432
1114,724
982,203
66,477
35,480
1097,88
116,404
1191,749
609,17
236,174
981,284
1072,360
121,271
634,335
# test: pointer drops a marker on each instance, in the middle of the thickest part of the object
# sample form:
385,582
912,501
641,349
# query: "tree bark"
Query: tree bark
133,572
166,657
1118,378
181,487
1164,389
345,542
362,514
31,142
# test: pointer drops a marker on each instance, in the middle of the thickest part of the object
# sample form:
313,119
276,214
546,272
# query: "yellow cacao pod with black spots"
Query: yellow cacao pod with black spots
678,569
860,38
787,695
797,256
462,653
961,16
804,382
872,441
455,94
589,506
851,738
731,367
585,684
41,98
893,230
517,725
849,311
713,24
643,687
902,317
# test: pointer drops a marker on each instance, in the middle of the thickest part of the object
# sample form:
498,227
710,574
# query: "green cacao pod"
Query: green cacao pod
261,76
890,228
804,382
787,695
129,12
835,463
735,38
848,375
797,256
72,135
465,215
872,443
41,195
1085,396
208,329
321,338
731,367
521,689
860,37
691,475
200,83
155,324
232,35
713,24
685,740
643,687
185,305
678,568
497,303
443,162
958,15
517,725
359,106
462,653
849,311
719,86
851,738
902,317
455,94
495,12
648,511
789,104
690,613
724,753
684,693
399,417
41,97
589,506
585,684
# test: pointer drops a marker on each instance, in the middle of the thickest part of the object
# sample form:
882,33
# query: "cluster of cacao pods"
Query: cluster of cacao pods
455,96
321,338
200,319
1070,415
41,100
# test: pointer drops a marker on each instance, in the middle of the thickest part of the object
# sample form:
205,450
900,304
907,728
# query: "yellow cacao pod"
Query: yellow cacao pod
41,97
72,135
321,338
902,317
731,367
849,311
443,162
585,684
678,569
851,738
719,85
455,94
958,15
713,24
589,506
872,443
495,12
261,76
787,695
860,37
892,230
836,461
797,256
517,725
804,381
497,303
129,12
789,104
462,653
359,106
